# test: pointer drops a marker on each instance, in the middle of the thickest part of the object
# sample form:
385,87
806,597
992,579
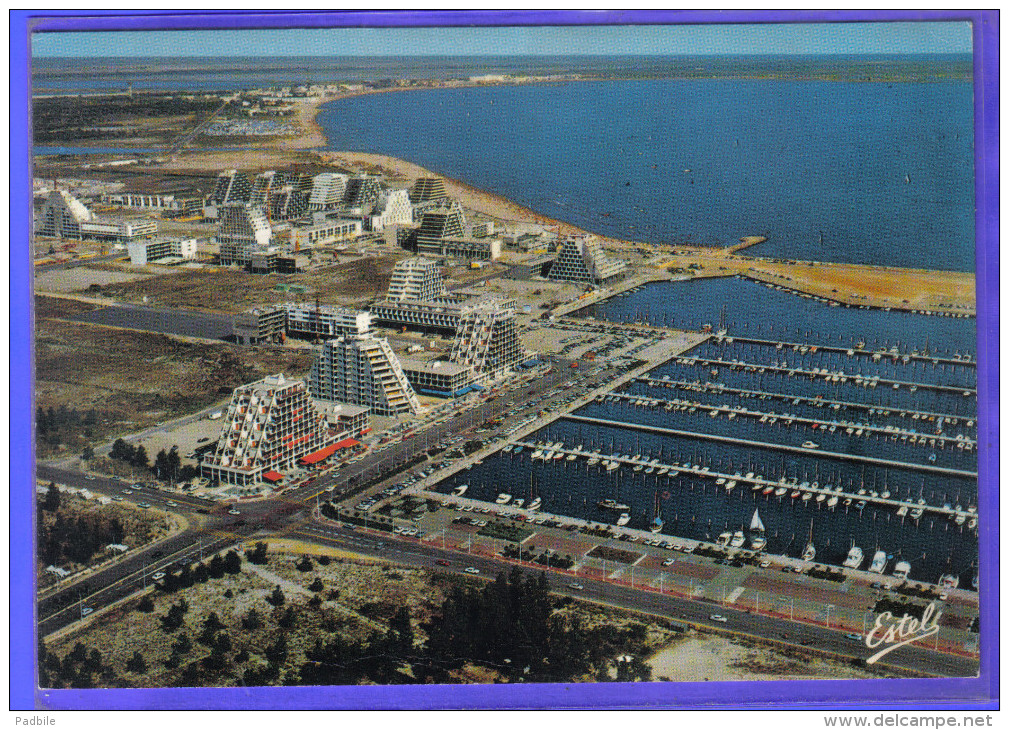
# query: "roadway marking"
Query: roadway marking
734,595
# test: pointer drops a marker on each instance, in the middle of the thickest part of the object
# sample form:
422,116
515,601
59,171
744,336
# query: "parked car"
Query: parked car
471,570
718,617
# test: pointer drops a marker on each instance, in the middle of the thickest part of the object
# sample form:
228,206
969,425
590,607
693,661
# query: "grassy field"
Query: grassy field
233,290
133,380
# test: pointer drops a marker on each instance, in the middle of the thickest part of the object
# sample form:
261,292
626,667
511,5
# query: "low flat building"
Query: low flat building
313,321
439,315
354,420
468,249
152,250
532,268
316,232
260,325
118,229
439,378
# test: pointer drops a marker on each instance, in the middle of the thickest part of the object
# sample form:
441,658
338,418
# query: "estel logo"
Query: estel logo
893,632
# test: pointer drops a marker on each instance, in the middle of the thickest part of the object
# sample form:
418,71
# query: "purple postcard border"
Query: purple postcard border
968,693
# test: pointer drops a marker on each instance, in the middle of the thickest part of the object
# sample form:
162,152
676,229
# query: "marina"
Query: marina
850,443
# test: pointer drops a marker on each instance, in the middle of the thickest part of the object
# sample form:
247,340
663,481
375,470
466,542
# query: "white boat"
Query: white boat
949,581
572,457
832,502
724,538
503,498
623,519
809,554
855,558
878,564
612,504
916,513
738,538
460,490
536,503
758,542
902,570
810,445
613,465
538,454
593,461
656,525
518,503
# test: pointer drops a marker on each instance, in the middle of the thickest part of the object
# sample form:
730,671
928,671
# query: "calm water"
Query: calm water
883,171
752,309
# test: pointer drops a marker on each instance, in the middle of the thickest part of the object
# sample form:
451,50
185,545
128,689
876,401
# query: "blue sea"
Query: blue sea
877,173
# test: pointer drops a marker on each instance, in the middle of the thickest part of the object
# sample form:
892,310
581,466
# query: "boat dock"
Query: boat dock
934,440
753,482
827,375
852,351
888,463
816,401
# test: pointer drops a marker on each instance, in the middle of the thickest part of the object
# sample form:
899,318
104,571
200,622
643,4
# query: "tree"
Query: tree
251,621
232,563
258,556
276,653
316,585
212,621
146,605
183,644
161,465
401,632
140,459
276,598
136,663
200,573
286,620
217,567
173,462
305,564
52,500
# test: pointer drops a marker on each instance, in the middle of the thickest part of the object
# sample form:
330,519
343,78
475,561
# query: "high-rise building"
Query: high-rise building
62,215
441,223
392,208
362,370
428,188
232,186
487,338
416,278
328,191
362,193
265,186
241,228
584,260
288,203
269,426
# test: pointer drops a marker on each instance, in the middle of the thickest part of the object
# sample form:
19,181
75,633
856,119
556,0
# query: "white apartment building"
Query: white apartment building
150,250
416,278
308,321
362,370
269,426
328,189
393,208
241,228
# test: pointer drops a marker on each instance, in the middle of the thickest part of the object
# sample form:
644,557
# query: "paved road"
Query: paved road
412,552
74,263
290,513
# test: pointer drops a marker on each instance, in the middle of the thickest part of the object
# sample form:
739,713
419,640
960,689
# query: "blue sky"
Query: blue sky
893,37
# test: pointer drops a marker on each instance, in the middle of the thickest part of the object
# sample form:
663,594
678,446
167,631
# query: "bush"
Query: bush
145,605
305,564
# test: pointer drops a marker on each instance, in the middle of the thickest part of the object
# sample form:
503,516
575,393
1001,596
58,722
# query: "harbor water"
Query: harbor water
790,409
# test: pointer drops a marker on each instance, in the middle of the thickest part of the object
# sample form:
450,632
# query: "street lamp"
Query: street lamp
829,606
